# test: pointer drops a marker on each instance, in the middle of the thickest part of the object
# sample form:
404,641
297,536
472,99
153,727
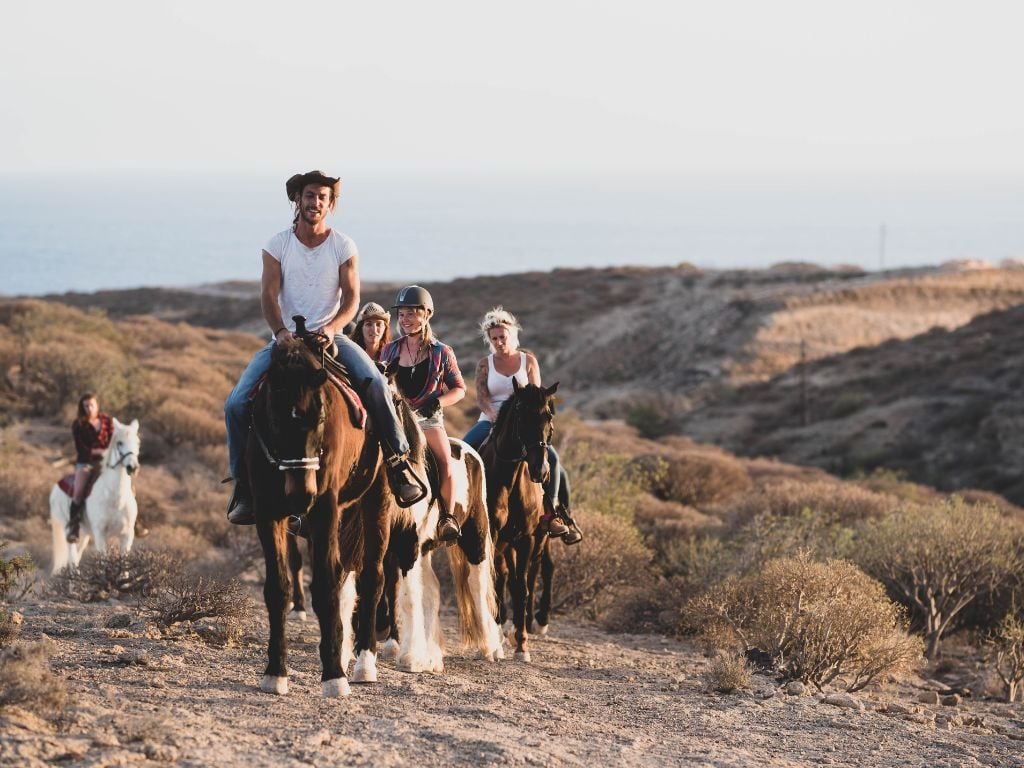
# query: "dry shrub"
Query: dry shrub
611,557
178,422
697,478
819,622
188,598
116,574
25,480
606,483
939,559
726,672
842,503
1008,645
649,608
27,681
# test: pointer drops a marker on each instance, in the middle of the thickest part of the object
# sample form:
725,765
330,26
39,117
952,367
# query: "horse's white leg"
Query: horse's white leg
347,608
432,614
412,649
365,669
481,583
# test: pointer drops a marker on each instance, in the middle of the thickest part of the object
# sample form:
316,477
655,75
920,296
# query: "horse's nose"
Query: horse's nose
131,468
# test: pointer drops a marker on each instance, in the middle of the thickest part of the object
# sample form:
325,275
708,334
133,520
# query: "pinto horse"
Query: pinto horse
308,458
516,463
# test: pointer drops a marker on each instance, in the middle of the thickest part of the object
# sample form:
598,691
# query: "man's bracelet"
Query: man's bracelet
282,328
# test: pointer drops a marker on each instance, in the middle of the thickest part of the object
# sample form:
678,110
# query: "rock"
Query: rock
795,688
930,685
896,708
846,700
16,618
318,739
106,739
948,720
162,753
951,701
119,621
765,693
134,657
924,718
929,697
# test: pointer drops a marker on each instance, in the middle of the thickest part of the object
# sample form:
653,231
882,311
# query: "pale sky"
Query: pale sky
713,86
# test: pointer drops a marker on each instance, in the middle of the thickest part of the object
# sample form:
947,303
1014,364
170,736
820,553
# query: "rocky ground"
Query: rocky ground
139,696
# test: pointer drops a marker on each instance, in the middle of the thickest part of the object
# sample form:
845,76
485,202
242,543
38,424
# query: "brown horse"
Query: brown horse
516,463
308,458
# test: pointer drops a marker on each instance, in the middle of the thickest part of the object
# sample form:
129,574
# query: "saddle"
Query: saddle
433,478
67,483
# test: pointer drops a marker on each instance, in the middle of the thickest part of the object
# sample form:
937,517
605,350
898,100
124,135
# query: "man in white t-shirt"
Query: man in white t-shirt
312,270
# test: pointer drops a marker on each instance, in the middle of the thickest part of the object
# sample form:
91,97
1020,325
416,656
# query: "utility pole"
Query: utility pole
881,247
804,417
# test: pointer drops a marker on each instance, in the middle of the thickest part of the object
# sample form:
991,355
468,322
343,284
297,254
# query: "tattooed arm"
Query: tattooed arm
483,396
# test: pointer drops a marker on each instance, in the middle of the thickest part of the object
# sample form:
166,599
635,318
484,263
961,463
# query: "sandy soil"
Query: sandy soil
589,698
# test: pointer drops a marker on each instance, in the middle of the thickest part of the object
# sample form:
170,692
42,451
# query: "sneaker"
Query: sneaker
240,508
448,529
406,487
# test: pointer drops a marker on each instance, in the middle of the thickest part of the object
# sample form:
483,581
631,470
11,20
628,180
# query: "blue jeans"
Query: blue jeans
375,394
557,486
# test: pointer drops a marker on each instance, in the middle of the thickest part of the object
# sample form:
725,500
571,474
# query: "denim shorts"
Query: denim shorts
431,422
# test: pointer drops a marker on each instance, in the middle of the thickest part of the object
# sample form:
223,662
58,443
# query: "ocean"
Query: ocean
85,233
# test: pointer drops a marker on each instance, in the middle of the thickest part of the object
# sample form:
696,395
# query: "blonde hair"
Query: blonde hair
426,333
499,317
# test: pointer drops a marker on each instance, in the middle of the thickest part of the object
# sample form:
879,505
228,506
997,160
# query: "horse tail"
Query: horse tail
58,519
472,564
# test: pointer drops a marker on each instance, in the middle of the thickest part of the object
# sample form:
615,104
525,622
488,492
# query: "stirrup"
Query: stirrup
448,529
406,486
240,510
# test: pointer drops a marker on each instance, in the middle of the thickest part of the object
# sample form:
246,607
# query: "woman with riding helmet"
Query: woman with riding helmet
494,376
429,379
373,329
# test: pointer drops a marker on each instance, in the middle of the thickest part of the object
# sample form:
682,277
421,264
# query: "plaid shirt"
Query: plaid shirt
87,438
443,375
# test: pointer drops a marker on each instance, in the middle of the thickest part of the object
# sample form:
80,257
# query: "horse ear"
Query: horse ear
134,426
515,384
117,424
551,390
391,368
318,377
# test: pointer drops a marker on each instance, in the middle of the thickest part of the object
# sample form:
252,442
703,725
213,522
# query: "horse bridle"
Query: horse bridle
123,455
524,448
305,463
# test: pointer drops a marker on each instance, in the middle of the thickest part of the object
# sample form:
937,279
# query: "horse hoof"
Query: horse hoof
298,615
542,629
334,688
522,656
274,684
365,670
409,664
389,650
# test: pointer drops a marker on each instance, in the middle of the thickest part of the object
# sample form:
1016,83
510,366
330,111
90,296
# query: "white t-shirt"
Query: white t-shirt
499,386
309,276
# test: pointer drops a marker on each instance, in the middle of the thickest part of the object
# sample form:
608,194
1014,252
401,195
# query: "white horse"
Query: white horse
109,513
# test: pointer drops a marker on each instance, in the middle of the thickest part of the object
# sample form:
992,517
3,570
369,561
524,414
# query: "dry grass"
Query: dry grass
27,681
726,673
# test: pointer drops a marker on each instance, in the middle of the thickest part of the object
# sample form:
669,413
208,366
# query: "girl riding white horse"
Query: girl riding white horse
110,509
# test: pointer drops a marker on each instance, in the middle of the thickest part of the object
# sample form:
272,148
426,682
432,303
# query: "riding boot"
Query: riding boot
74,521
240,510
141,531
573,534
549,522
448,530
405,485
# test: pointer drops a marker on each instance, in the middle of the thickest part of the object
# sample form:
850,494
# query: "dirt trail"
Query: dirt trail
588,698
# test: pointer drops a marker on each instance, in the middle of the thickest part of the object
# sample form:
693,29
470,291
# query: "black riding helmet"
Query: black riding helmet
414,296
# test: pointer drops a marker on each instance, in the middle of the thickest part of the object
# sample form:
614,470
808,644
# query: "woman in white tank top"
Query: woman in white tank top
494,375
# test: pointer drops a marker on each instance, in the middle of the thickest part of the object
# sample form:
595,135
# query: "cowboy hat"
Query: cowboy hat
299,181
373,311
